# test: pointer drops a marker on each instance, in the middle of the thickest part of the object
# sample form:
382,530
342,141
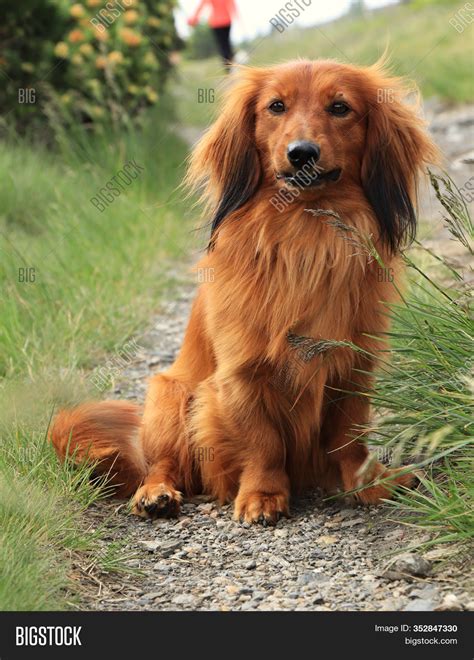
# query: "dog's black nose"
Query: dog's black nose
301,152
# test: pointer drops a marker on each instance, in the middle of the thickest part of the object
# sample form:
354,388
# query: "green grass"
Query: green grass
420,40
95,272
98,278
192,77
42,531
424,392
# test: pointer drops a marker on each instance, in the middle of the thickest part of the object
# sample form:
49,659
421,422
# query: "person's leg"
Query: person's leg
222,37
228,52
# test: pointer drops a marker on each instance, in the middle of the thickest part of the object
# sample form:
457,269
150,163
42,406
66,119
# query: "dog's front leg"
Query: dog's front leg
263,494
264,487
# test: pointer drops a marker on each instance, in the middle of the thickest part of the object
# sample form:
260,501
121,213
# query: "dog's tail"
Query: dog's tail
105,433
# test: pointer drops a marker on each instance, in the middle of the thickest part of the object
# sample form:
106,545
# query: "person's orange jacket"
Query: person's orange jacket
222,12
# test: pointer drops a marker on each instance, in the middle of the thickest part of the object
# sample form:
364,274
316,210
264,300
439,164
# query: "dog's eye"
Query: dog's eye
277,107
339,109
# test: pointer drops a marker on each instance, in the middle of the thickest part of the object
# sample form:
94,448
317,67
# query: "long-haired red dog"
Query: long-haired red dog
310,169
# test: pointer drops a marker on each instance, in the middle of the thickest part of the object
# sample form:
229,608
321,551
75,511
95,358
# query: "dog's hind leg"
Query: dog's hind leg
164,438
171,465
344,443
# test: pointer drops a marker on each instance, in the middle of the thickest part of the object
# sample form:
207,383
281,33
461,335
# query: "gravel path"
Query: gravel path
330,555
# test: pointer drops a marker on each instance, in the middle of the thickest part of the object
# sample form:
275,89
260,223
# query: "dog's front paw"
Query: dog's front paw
156,501
264,508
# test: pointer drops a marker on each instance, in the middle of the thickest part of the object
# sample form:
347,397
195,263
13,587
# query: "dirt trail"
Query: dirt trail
329,555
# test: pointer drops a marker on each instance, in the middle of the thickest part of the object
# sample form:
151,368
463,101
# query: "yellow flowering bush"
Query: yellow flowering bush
95,60
124,46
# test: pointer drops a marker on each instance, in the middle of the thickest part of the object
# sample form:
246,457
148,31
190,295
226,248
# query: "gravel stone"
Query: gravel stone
168,548
419,605
151,546
407,565
450,603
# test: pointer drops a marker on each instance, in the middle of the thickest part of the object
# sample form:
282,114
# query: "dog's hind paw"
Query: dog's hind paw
391,480
156,501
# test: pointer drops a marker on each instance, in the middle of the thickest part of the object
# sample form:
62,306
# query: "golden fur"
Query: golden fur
236,415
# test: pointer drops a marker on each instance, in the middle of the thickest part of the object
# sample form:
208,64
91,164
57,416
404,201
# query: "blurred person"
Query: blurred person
220,21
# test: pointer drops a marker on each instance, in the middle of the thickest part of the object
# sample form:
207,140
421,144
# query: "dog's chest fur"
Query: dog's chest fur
289,274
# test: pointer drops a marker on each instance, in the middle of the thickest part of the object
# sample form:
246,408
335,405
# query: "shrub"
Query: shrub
92,61
26,54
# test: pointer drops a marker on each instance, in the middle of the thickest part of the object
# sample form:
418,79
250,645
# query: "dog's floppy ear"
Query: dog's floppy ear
397,149
225,163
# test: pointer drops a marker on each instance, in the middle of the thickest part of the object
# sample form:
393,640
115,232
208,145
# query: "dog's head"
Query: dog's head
317,126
